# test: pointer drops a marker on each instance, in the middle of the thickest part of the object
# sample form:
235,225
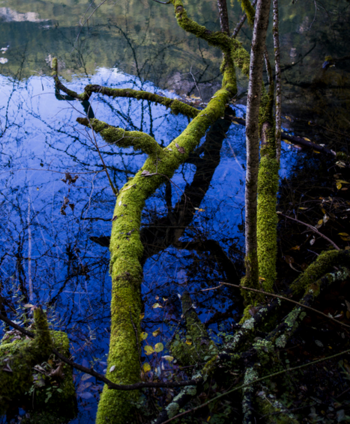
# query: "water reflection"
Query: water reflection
57,207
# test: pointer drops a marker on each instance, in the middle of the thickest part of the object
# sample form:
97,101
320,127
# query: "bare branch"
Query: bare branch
277,296
312,228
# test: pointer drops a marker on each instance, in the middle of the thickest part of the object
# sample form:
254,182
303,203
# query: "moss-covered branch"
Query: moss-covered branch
218,39
249,10
175,105
113,135
126,253
324,264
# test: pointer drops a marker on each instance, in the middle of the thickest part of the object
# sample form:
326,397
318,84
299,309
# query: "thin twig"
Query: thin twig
82,25
279,297
311,228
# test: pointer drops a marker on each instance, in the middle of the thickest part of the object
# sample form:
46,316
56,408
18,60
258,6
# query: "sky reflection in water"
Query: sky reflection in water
51,251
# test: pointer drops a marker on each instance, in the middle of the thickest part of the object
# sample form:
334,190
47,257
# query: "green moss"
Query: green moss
113,135
176,106
21,356
126,253
218,39
240,57
267,221
323,264
249,10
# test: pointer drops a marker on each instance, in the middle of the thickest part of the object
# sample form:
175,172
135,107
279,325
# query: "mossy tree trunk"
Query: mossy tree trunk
125,245
252,143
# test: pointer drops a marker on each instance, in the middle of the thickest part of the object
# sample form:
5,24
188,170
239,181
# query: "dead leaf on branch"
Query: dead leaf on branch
180,149
146,173
69,179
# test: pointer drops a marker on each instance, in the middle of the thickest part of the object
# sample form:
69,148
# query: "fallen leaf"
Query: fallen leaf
112,368
149,350
159,347
156,332
157,305
146,367
168,358
144,335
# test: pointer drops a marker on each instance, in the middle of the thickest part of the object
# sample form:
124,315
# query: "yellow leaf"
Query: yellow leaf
286,141
302,208
208,419
289,118
159,347
168,358
315,151
188,342
342,182
142,316
343,234
156,332
234,122
157,297
307,139
144,336
157,305
149,350
323,211
339,186
320,222
146,367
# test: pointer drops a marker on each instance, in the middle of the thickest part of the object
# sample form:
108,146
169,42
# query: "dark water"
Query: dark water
193,227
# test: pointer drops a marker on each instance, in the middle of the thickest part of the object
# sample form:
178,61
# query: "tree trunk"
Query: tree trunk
252,141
